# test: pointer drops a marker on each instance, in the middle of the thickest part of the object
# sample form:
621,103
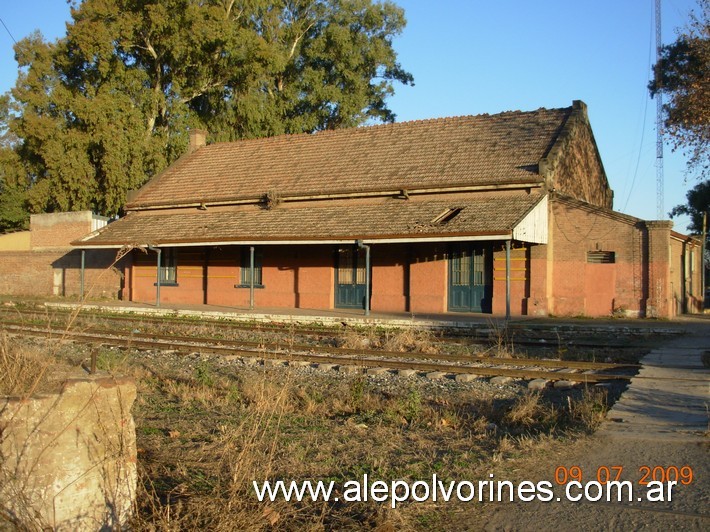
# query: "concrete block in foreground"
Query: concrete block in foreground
69,458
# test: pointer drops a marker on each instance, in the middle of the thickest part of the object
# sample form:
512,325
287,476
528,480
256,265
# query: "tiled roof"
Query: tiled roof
449,152
393,218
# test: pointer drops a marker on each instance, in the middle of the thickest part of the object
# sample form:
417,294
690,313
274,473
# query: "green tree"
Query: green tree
698,204
683,75
108,106
13,190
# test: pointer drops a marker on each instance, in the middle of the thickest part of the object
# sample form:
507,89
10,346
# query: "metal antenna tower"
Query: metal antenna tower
659,120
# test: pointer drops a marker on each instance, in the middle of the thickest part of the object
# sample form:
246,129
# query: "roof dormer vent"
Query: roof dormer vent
448,215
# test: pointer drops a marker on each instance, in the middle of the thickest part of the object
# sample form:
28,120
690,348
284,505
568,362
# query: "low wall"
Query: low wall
58,273
68,460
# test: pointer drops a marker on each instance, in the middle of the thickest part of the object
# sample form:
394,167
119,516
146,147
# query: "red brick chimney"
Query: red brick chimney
198,138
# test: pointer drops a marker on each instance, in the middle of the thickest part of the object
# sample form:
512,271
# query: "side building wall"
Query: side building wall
583,286
51,267
686,275
606,263
58,273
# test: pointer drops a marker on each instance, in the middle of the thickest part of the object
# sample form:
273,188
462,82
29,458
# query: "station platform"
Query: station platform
357,317
298,316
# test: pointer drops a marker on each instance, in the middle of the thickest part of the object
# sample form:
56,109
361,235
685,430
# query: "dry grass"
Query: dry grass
207,433
411,340
533,413
406,340
206,430
502,341
530,411
27,368
356,338
589,410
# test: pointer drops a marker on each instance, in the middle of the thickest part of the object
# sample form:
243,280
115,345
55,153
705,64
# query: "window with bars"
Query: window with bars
350,272
168,266
460,269
468,268
245,270
601,257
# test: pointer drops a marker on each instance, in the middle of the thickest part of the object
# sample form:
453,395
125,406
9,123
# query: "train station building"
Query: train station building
509,213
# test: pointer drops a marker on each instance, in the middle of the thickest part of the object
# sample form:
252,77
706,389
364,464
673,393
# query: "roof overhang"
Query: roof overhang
520,217
695,240
341,241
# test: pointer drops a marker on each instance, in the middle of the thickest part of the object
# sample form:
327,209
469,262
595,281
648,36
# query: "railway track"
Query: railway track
288,353
472,336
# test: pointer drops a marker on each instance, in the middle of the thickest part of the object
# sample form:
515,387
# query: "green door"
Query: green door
350,276
471,278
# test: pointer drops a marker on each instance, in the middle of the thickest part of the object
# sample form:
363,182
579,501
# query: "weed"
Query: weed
112,360
22,368
148,431
502,342
357,392
410,339
530,411
589,411
203,375
412,405
359,338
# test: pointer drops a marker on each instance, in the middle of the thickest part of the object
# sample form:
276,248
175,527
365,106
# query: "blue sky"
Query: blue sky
475,56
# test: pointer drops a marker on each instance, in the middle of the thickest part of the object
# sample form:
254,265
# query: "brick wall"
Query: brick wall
556,278
651,276
59,229
293,277
659,302
583,288
685,275
519,279
51,267
573,167
390,277
428,279
404,278
58,273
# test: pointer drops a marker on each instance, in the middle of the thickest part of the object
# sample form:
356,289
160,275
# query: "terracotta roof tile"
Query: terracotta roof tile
469,150
496,214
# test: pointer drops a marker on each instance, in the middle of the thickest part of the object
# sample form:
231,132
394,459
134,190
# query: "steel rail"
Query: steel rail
276,346
361,361
472,336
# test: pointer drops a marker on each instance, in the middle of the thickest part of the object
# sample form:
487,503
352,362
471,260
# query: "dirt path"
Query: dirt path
661,420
